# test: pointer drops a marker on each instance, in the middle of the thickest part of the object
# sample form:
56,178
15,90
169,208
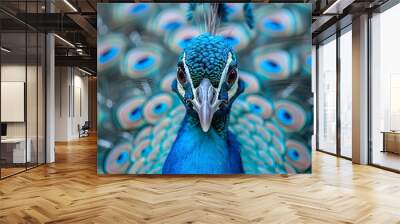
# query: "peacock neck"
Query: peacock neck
219,124
198,152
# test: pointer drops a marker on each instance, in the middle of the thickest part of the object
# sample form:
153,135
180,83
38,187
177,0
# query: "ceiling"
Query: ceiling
330,16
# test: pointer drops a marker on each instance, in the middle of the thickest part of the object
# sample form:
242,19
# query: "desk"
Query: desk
391,141
17,150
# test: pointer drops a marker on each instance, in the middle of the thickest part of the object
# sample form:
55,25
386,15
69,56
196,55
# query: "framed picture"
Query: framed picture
204,88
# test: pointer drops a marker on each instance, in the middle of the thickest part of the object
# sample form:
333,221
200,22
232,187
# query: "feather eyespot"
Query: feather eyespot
180,74
231,77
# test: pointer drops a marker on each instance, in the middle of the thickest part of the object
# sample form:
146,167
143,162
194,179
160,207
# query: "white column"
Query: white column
50,110
50,93
360,90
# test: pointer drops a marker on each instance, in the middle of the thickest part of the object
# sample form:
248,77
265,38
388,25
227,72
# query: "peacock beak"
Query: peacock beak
205,116
205,103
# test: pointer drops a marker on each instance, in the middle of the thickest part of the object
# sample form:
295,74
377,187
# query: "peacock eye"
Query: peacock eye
180,74
232,75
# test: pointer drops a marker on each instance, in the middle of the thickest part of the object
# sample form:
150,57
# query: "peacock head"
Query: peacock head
207,79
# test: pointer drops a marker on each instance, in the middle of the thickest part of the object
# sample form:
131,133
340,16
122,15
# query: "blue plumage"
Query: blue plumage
198,152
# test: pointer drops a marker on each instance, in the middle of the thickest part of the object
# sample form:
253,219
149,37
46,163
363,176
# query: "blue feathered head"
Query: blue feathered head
207,78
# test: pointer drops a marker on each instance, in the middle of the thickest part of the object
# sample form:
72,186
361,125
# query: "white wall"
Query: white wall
79,115
61,103
13,73
71,94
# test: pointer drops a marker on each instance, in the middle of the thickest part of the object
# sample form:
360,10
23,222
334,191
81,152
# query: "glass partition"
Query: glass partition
32,96
385,89
327,96
346,92
22,77
13,105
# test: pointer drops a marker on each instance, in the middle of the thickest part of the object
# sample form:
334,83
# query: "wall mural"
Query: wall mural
204,88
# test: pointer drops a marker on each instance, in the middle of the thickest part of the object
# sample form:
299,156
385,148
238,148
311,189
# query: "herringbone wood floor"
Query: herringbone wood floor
70,191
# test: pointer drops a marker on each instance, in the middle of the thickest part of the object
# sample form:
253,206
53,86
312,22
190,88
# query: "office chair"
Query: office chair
84,130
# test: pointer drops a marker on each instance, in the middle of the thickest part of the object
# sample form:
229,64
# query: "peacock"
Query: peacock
207,84
204,88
